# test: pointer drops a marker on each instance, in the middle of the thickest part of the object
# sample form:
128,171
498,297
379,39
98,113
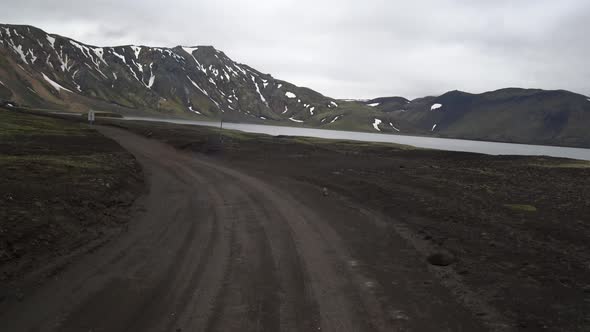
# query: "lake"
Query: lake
448,144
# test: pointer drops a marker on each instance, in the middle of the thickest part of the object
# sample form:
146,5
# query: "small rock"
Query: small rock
565,281
399,315
441,258
370,284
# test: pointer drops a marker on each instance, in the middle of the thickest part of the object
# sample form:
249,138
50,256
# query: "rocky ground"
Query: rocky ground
64,190
506,236
514,230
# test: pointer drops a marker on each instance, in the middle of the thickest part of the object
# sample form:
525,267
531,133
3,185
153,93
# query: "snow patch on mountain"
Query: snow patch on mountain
136,51
433,127
139,66
119,56
374,104
152,77
190,108
232,71
85,50
295,120
33,57
16,33
133,73
392,126
311,110
333,104
198,87
8,32
435,107
65,61
19,50
190,51
259,93
54,84
100,54
290,95
335,119
51,41
376,124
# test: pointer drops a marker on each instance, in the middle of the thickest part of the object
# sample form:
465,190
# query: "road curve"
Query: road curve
212,249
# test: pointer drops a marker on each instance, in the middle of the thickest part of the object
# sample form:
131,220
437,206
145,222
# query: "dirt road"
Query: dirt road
214,249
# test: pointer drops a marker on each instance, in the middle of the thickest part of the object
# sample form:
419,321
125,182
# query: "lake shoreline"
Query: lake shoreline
437,143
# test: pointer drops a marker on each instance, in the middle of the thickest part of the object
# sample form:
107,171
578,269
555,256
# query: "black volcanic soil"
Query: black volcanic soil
253,232
64,190
512,231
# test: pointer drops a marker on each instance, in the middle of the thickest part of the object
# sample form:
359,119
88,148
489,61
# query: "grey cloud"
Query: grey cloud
352,49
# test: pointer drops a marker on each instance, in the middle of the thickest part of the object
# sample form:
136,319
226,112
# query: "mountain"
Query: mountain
48,71
508,115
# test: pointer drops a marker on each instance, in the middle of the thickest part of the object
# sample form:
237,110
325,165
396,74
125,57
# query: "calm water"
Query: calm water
422,142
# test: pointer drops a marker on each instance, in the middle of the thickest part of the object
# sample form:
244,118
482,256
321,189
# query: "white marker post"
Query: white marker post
91,116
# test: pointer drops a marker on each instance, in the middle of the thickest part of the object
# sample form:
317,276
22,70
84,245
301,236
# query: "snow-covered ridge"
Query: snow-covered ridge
154,75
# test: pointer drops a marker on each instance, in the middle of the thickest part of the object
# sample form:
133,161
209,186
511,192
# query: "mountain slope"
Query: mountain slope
507,115
49,71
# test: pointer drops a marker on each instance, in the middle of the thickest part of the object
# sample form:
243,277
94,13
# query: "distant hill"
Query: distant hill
47,71
507,115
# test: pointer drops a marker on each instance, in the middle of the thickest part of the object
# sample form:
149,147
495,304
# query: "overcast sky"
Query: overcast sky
351,49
